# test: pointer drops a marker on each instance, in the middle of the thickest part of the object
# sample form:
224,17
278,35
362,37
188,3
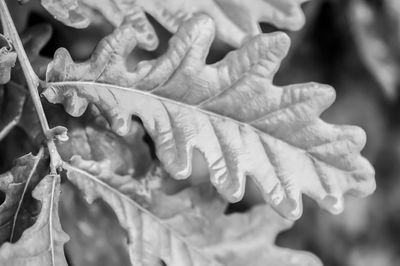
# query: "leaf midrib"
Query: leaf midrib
138,206
168,100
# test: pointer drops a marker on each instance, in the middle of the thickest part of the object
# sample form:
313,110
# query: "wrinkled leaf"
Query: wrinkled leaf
93,142
188,228
8,58
67,11
19,210
41,244
235,20
229,111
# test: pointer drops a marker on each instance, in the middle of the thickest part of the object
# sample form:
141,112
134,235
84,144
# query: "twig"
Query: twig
32,80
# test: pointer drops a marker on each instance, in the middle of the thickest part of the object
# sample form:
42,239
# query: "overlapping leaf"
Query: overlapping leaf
41,244
236,20
93,142
8,58
188,228
18,211
95,235
230,111
16,108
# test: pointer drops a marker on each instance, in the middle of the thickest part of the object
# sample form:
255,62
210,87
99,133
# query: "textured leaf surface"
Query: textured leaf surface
236,20
18,210
67,11
41,244
8,58
188,228
229,111
93,142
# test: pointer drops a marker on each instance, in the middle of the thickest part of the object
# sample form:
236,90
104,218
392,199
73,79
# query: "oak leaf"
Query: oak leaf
41,244
230,111
188,228
235,20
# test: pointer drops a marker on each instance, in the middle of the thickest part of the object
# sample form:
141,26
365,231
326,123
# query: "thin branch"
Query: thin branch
32,172
32,80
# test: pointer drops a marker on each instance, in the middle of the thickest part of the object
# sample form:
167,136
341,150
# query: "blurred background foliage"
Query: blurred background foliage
352,45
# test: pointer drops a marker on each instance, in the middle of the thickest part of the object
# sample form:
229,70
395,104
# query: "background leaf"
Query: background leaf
41,244
188,228
19,210
235,20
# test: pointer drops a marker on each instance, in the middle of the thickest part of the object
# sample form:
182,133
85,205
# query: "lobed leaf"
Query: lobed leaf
41,244
188,228
229,111
235,20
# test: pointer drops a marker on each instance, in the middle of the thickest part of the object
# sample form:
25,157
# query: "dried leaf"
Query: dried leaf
229,111
188,228
41,244
18,211
235,20
8,58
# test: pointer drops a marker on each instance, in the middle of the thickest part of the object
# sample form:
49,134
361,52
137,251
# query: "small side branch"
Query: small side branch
33,82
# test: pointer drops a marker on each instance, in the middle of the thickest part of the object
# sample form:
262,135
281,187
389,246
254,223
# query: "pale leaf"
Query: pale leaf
188,228
235,20
229,111
66,11
41,244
